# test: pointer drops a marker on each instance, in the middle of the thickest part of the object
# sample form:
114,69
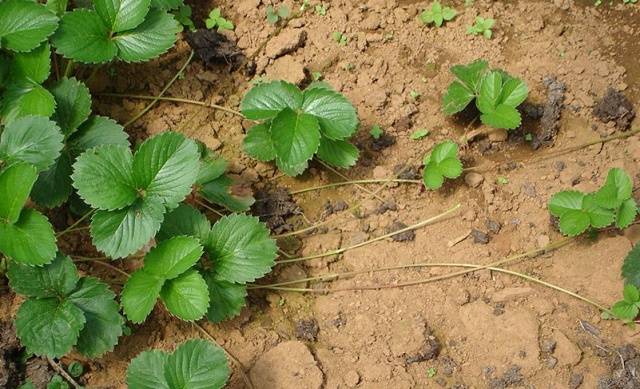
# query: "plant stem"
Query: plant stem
379,238
208,208
108,265
354,182
162,92
374,194
69,68
62,372
74,225
176,100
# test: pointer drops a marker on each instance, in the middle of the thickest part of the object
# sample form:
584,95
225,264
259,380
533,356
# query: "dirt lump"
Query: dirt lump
615,107
551,111
274,208
214,48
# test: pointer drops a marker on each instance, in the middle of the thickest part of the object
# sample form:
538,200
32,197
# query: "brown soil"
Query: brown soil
482,330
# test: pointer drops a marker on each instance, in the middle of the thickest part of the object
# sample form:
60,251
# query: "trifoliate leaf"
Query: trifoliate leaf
296,137
437,14
184,220
624,310
25,24
626,213
33,66
84,37
514,92
31,240
471,75
337,117
153,37
122,15
186,296
600,217
123,232
577,212
221,191
258,143
240,249
73,104
103,321
31,139
457,98
173,257
197,364
49,326
338,153
503,116
24,98
490,92
146,371
631,266
226,299
440,163
139,295
212,166
59,278
166,166
103,177
617,189
53,186
97,131
16,182
266,100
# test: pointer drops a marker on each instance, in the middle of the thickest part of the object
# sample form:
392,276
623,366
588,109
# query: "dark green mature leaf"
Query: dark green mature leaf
296,138
31,139
139,295
173,257
457,98
220,191
258,143
59,7
226,299
59,278
16,182
123,232
122,15
49,326
23,98
337,117
166,166
266,100
153,37
166,4
83,37
197,364
338,153
25,24
73,104
54,185
31,240
97,131
103,177
103,321
184,220
631,267
186,296
146,371
240,249
33,66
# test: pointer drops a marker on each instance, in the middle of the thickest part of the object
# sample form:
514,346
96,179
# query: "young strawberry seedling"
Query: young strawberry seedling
437,14
215,20
376,132
340,38
482,27
273,16
441,162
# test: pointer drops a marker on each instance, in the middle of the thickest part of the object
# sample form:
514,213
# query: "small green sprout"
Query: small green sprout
442,162
376,132
502,180
340,38
437,14
316,76
419,134
482,27
75,369
215,19
432,372
274,16
321,9
183,16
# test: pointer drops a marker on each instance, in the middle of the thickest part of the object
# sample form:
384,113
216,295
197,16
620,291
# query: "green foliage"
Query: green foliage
437,14
24,25
340,38
215,20
321,9
628,308
376,132
631,267
440,163
183,16
296,125
274,16
195,364
482,27
419,134
75,369
497,94
611,204
63,310
57,382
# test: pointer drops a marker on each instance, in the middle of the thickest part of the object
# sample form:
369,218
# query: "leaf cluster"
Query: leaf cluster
441,162
295,125
216,20
482,26
497,95
275,15
628,308
611,204
437,14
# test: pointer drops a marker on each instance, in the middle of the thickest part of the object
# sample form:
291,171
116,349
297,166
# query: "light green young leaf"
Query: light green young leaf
440,163
172,257
338,153
514,92
184,220
59,7
221,191
626,213
490,92
197,364
631,267
186,296
166,5
31,240
296,138
84,37
336,115
97,131
265,101
25,24
471,75
139,295
631,294
565,201
437,14
146,371
31,139
122,15
258,143
503,116
155,36
33,66
16,182
600,217
59,278
73,104
54,186
617,189
457,98
623,310
226,299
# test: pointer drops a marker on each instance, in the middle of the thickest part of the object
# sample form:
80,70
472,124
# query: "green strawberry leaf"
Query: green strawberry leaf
631,267
220,191
172,257
122,15
103,321
337,117
122,232
574,222
49,326
25,24
31,139
84,37
437,14
33,66
59,278
166,4
240,249
59,7
186,296
565,201
184,220
16,182
258,143
617,189
155,36
212,166
471,75
31,240
503,116
624,310
338,153
631,294
440,163
457,98
490,92
139,295
146,371
103,177
97,131
226,299
514,92
23,98
54,186
626,213
296,138
266,100
600,217
197,364
73,104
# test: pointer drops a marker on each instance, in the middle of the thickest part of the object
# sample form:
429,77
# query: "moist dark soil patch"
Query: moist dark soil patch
549,113
214,48
615,107
624,365
275,208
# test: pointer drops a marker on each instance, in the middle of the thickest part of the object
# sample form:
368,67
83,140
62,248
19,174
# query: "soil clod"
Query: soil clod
307,329
480,237
615,107
624,364
383,142
214,48
551,111
406,236
274,208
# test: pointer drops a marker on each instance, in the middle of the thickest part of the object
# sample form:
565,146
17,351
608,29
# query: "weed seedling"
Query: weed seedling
340,38
414,95
316,76
482,27
274,16
442,162
215,20
432,372
419,134
437,14
321,9
183,15
376,132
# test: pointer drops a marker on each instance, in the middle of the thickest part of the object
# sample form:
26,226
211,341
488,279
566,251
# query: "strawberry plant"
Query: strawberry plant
215,19
195,364
628,308
497,95
482,27
441,162
437,14
611,204
294,126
